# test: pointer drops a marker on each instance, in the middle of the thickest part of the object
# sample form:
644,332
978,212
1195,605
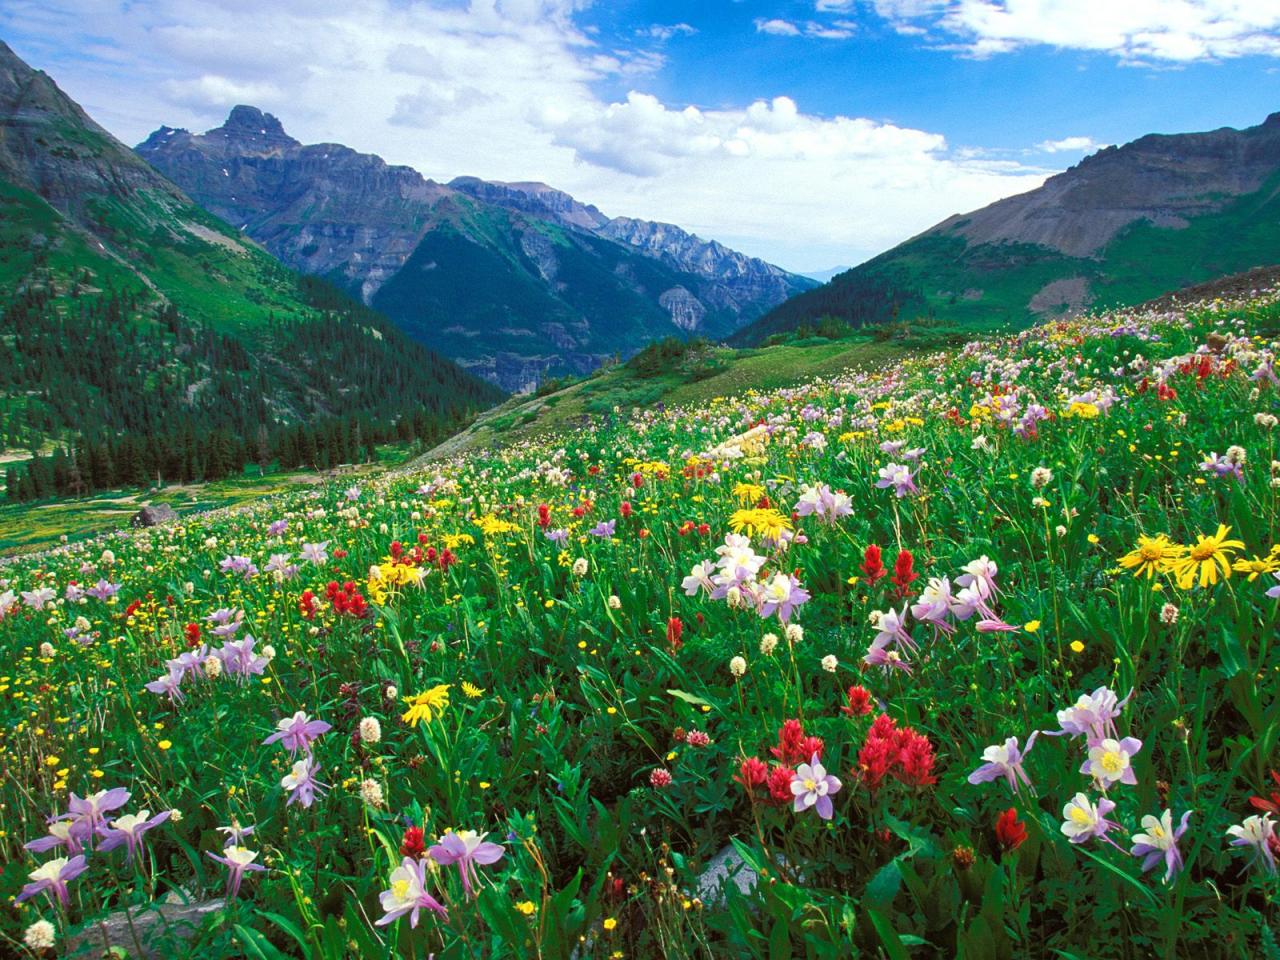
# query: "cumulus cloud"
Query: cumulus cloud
512,90
1070,145
1136,31
665,31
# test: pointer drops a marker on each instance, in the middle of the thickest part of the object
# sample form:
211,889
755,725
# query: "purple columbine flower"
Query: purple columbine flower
315,552
466,848
103,590
1274,592
168,685
1005,760
53,877
899,477
812,786
824,503
935,605
782,594
1257,833
88,813
1111,761
603,529
297,732
129,830
891,629
277,528
1160,842
559,537
62,833
236,834
280,567
408,894
879,655
301,783
1221,467
237,860
1083,820
1093,715
239,659
240,565
36,599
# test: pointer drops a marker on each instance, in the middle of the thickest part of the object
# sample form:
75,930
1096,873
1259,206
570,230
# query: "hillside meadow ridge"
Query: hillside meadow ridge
971,654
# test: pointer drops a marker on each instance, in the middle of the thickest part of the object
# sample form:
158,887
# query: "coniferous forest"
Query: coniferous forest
199,404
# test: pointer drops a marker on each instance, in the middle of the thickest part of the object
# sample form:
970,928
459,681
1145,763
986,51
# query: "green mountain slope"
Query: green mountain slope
150,339
1124,225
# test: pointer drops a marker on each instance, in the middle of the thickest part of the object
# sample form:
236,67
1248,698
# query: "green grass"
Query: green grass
25,527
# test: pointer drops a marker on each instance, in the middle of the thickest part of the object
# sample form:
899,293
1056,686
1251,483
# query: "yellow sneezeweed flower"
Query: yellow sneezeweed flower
748,492
426,705
471,690
1257,566
768,523
1152,554
1206,559
491,526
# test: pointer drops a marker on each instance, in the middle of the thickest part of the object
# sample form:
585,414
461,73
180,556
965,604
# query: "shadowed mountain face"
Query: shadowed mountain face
1123,225
130,313
517,281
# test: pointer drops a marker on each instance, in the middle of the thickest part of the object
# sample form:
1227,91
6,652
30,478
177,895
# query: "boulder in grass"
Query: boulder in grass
154,932
153,515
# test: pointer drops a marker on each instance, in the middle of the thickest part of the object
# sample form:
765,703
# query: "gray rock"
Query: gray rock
153,515
156,929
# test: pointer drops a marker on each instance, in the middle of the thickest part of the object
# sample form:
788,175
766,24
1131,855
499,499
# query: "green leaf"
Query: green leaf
893,946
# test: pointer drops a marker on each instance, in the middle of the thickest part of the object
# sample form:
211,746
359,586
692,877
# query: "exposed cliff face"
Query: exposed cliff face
50,146
1164,179
1125,224
323,209
515,280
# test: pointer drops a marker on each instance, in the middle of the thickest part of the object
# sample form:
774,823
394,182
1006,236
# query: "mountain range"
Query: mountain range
1126,224
157,340
516,281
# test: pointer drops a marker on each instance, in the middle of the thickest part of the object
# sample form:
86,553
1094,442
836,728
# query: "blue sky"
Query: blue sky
809,132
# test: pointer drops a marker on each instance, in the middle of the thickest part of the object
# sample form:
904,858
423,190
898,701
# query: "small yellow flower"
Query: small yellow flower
1093,538
1077,646
426,705
164,744
610,923
1031,626
526,907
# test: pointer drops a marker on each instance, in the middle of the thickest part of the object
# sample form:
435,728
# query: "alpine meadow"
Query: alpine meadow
401,567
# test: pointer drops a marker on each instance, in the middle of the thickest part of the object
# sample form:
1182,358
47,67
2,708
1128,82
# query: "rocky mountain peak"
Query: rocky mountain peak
251,131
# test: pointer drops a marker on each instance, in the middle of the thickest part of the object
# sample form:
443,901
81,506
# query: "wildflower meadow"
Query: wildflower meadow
973,655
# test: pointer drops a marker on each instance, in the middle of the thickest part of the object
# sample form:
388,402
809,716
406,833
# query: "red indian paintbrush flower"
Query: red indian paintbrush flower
675,630
1010,831
413,844
872,565
903,572
859,704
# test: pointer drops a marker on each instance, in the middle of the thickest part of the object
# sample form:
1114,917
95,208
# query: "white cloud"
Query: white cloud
1070,145
665,31
509,90
836,30
1136,31
779,28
